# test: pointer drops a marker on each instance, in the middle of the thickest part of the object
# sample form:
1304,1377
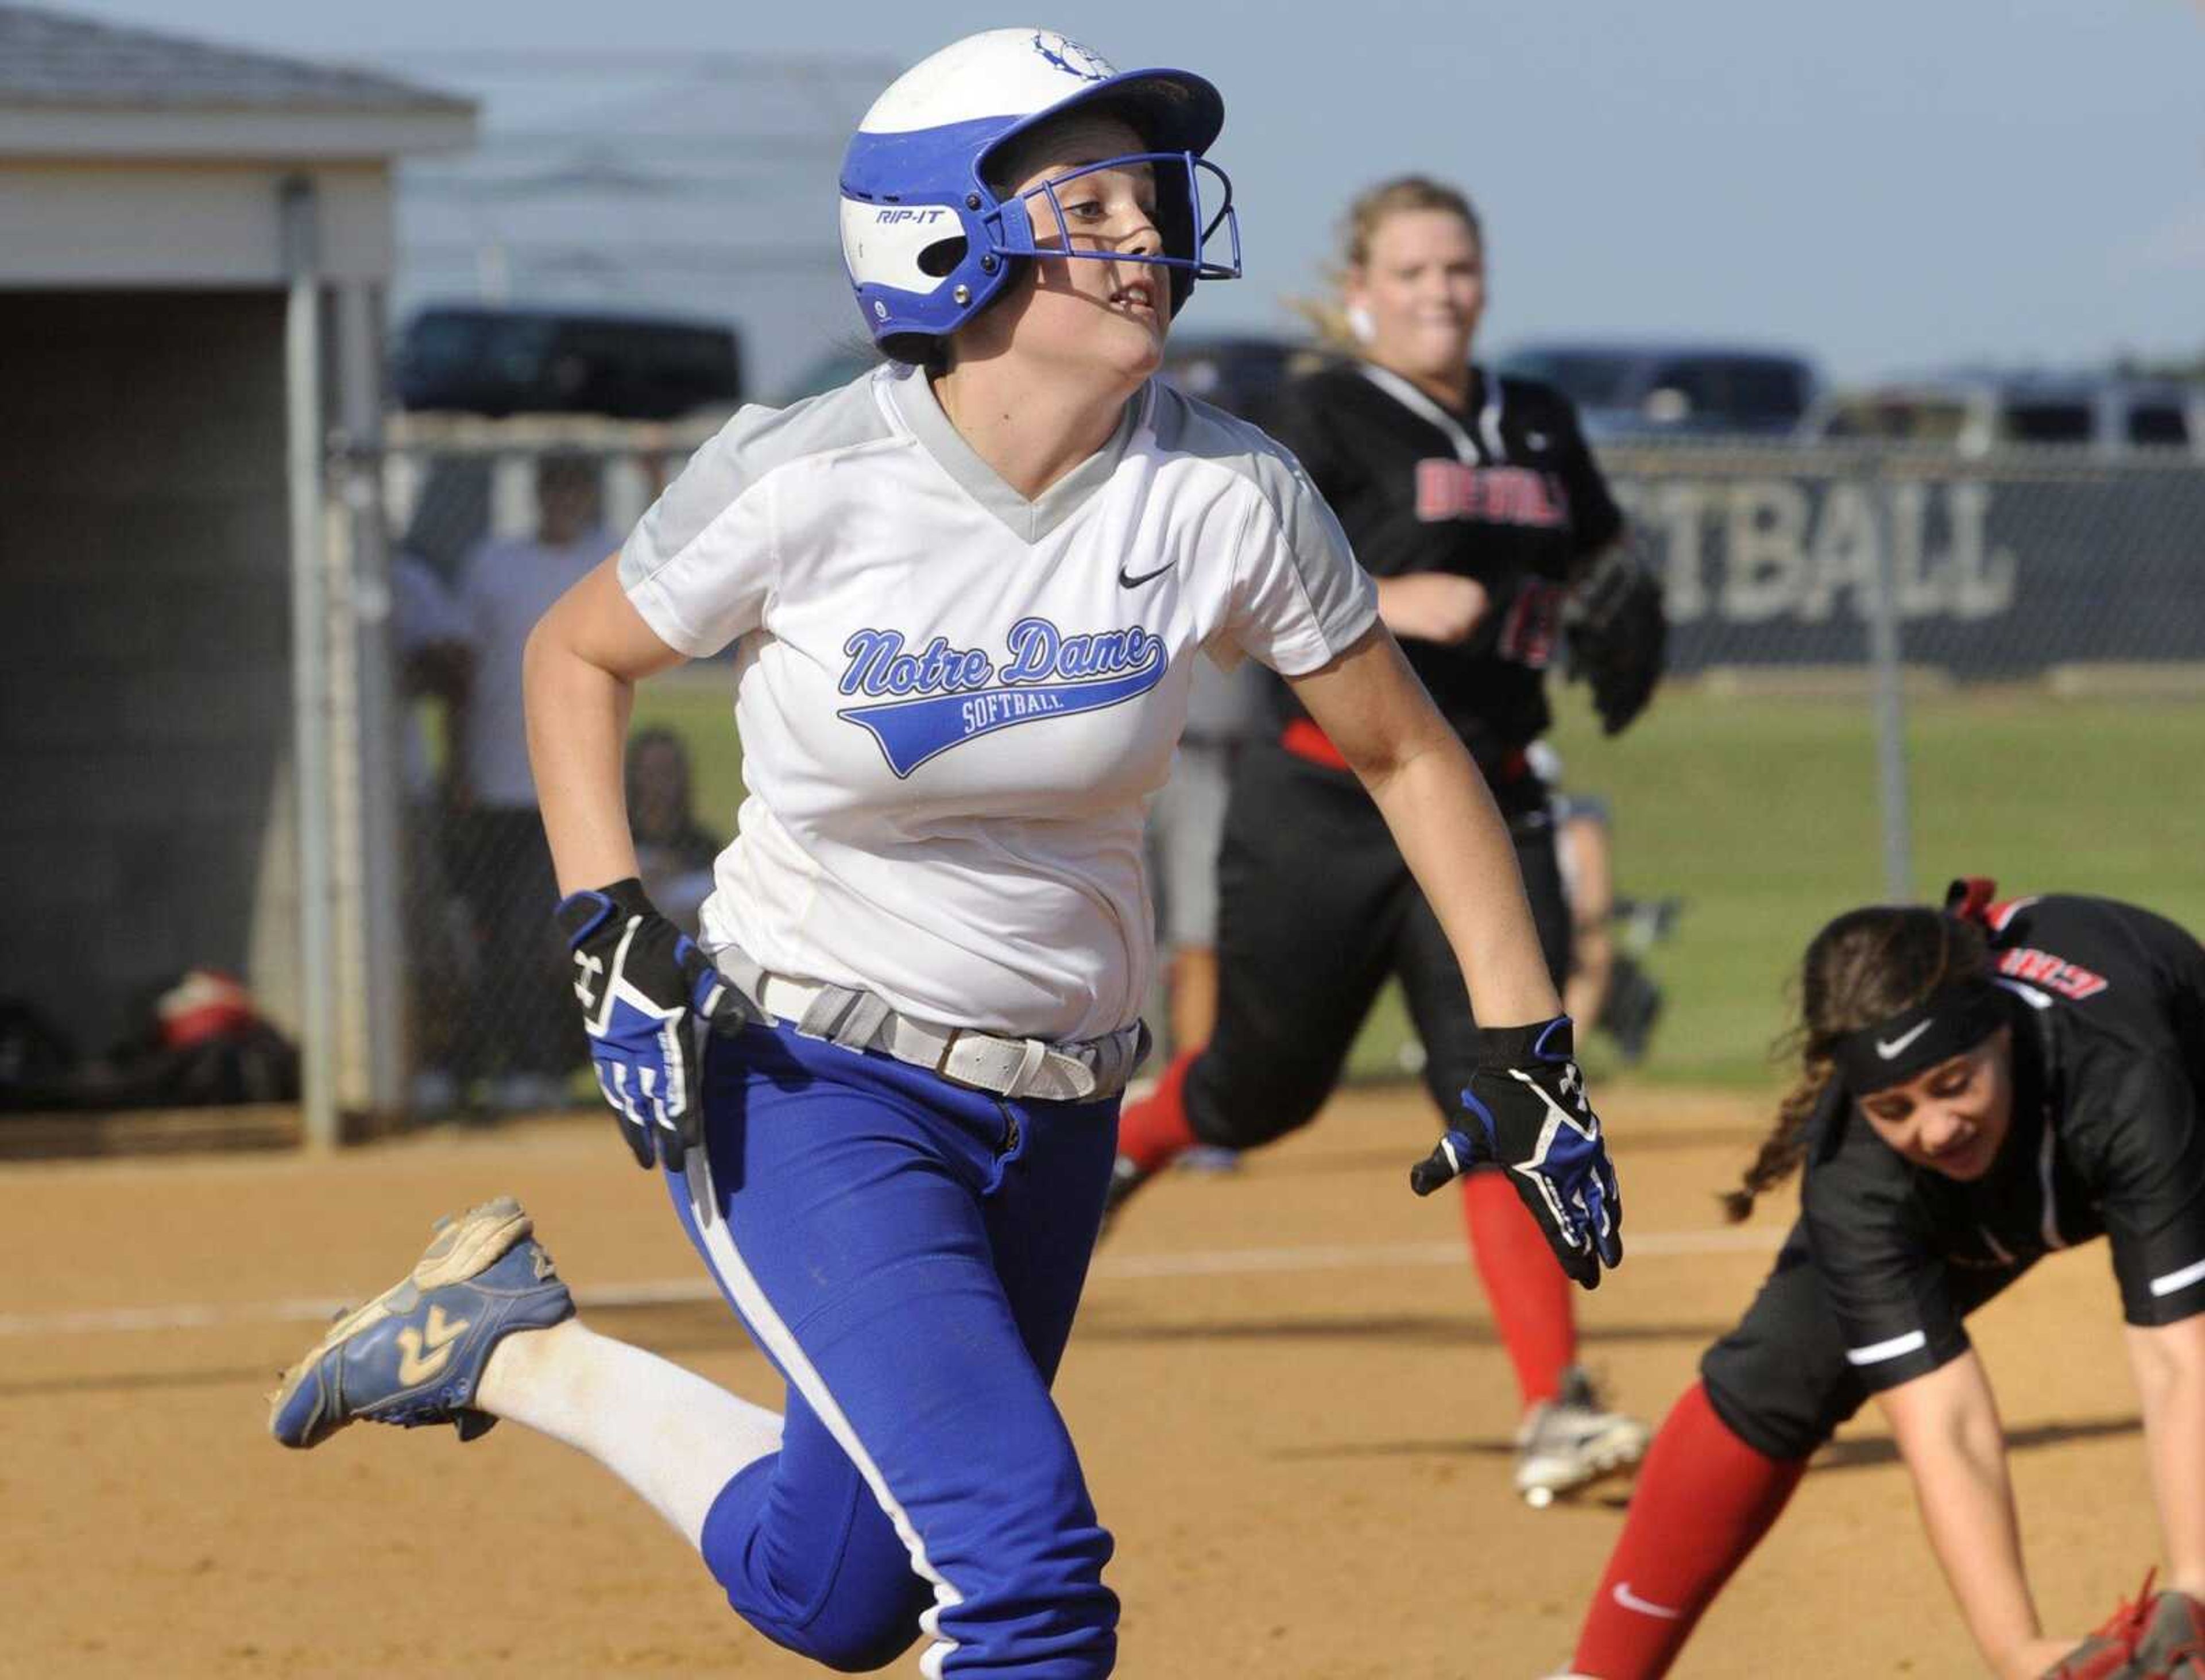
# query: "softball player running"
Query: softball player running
1492,534
966,592
1978,1088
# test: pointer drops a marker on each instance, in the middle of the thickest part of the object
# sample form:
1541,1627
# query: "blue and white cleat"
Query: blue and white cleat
415,1354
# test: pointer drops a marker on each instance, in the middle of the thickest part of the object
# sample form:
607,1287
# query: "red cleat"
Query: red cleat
2115,1651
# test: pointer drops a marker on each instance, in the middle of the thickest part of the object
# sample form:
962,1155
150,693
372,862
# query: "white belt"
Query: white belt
1017,1068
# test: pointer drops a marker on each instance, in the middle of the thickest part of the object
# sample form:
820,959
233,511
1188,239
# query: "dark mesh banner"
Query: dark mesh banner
2002,566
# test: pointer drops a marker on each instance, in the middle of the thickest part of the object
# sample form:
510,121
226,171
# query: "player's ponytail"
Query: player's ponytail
1357,228
1862,968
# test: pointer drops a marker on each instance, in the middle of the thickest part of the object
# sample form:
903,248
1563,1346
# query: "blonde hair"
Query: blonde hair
1368,213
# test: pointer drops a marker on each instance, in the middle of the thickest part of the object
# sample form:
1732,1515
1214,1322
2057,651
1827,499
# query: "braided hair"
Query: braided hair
1864,967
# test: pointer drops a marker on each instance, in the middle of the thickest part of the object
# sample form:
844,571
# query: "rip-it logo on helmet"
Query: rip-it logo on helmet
931,234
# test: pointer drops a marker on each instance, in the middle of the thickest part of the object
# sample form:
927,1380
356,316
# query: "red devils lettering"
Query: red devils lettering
2054,974
1527,634
1452,489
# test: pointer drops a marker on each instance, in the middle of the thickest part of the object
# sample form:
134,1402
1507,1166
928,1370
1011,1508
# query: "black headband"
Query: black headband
1892,1051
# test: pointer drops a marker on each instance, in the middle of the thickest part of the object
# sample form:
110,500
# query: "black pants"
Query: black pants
1781,1382
1317,911
521,1016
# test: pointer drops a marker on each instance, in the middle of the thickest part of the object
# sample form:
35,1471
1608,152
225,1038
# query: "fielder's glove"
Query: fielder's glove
1618,635
649,997
1525,1112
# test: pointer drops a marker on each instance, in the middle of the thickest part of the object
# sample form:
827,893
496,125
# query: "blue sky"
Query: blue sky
1888,185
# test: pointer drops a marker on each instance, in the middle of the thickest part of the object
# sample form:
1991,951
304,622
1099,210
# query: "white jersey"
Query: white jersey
423,615
955,703
505,586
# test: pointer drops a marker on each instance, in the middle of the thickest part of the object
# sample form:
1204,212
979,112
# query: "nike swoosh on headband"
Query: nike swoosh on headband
1889,1048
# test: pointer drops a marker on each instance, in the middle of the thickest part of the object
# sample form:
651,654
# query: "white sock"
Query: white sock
672,1436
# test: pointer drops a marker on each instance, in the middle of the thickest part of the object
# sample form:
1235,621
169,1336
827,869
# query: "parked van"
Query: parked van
1974,414
1639,390
530,361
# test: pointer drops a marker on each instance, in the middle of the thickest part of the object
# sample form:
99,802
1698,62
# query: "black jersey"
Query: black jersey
2108,1006
1503,491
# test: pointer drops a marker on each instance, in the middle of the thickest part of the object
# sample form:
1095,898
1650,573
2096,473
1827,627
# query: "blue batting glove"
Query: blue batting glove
1526,1111
648,996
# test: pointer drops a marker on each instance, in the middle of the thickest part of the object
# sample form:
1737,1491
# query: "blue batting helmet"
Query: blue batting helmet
927,240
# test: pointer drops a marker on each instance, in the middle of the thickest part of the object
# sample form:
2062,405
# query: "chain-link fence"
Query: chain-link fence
1853,567
1998,567
476,528
2050,571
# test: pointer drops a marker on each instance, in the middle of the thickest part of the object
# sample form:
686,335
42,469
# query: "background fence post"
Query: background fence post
382,717
310,665
1884,662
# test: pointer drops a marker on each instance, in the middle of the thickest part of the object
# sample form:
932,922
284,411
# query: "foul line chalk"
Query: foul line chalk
675,1292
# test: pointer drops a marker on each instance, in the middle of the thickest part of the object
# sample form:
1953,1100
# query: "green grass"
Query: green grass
698,703
1762,814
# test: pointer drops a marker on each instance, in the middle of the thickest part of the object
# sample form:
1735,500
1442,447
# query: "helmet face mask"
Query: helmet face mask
1186,231
928,240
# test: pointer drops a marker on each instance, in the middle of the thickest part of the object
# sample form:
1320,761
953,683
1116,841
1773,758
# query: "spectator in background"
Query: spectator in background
1185,834
1186,821
1588,871
1187,826
430,637
520,1035
430,640
1605,986
1582,848
673,852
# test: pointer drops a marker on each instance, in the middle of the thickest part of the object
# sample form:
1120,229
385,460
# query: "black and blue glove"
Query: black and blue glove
649,998
1526,1111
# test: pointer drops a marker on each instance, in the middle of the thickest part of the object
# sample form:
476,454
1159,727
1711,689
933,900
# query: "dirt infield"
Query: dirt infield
1293,1413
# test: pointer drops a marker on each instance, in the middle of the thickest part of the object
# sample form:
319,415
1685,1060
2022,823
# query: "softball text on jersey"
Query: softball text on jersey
961,695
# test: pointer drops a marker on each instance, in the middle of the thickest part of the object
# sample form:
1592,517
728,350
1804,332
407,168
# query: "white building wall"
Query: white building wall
124,224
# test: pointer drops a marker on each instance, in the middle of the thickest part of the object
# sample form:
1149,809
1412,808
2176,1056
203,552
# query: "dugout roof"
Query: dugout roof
185,223
74,86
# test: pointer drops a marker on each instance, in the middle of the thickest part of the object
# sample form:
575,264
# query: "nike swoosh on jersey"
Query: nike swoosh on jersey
1889,1048
1630,1601
1136,579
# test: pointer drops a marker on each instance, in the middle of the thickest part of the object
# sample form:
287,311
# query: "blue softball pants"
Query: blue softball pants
909,1253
